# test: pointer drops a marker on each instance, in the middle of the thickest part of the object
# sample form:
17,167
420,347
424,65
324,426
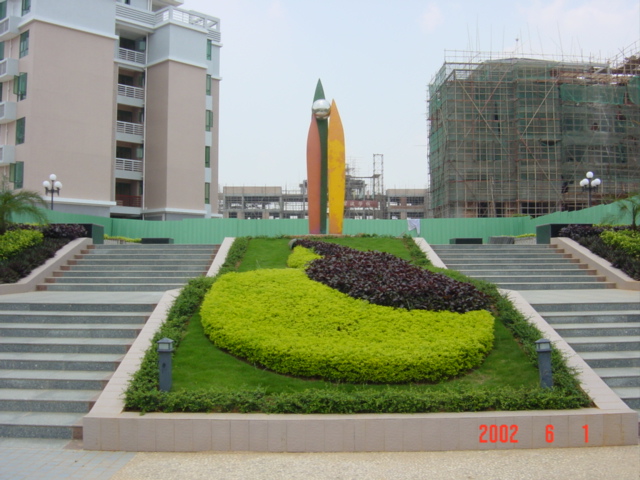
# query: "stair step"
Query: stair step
65,345
90,274
79,318
624,358
62,401
129,268
59,361
528,278
117,287
115,280
70,330
619,377
176,257
587,307
54,379
597,329
530,273
77,307
41,425
629,395
601,317
604,344
557,286
525,267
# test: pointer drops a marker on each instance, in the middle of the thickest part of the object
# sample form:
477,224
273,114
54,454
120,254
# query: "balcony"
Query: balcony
8,69
129,132
7,154
126,55
145,20
129,165
7,112
9,28
129,95
129,201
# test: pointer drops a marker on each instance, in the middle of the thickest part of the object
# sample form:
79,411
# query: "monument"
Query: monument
325,166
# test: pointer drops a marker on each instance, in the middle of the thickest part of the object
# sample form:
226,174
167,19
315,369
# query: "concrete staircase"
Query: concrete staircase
520,267
607,337
60,345
127,268
605,332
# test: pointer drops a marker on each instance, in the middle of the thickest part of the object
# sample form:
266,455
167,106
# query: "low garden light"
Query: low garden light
543,347
165,351
52,186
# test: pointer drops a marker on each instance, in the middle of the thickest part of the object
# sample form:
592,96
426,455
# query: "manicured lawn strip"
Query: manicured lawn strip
477,391
202,365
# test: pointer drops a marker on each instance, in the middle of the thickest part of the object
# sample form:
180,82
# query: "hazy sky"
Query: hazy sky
376,59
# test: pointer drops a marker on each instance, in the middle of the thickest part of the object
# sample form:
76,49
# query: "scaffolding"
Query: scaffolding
512,136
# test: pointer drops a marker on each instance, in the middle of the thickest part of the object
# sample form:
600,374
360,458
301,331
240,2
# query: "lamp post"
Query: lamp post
165,349
52,186
543,347
590,184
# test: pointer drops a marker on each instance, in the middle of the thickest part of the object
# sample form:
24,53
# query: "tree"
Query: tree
629,205
14,202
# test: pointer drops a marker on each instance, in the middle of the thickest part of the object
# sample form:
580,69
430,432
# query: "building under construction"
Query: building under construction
517,135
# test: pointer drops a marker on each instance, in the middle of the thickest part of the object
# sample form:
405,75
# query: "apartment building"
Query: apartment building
118,98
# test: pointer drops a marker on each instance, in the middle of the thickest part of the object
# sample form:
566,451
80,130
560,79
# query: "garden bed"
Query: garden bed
466,393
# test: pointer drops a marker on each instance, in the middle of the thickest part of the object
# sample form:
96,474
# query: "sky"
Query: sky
376,59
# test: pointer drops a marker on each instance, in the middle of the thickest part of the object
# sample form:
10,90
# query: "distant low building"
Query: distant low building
270,202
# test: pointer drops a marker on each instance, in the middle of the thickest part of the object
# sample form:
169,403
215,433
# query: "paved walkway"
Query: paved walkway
57,460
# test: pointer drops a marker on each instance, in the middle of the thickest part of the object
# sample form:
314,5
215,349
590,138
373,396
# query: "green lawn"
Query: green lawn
200,365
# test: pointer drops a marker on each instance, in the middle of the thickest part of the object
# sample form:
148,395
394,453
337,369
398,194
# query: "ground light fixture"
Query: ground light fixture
52,186
543,348
165,351
589,184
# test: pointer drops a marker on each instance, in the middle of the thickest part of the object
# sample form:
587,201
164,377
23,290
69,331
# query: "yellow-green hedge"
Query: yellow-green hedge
292,325
300,257
14,241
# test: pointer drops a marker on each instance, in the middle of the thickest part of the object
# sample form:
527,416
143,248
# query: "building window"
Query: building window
20,130
20,86
207,194
209,120
1,50
24,44
16,174
208,84
26,6
1,92
209,49
3,10
207,157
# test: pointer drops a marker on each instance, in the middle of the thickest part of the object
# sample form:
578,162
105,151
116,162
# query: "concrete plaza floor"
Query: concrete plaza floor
60,460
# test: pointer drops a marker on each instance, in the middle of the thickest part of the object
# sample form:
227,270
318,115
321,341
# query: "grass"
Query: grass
198,364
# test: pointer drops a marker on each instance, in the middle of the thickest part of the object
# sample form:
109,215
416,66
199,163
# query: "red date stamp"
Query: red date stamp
508,434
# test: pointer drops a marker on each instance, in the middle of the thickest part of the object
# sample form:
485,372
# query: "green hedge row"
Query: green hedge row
15,241
280,319
626,240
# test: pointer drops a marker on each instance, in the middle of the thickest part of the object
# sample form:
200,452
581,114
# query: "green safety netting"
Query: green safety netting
633,88
608,94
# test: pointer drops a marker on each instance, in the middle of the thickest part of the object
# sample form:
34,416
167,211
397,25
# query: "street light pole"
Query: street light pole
52,186
590,184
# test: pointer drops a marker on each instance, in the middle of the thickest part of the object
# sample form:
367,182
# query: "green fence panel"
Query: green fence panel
434,230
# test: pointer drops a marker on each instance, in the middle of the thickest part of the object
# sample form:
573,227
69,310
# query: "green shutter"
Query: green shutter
20,130
18,175
26,6
1,50
207,157
208,84
209,120
209,49
207,194
20,86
